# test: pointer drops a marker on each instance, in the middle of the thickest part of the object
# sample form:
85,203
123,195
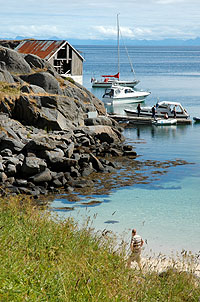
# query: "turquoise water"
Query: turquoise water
166,212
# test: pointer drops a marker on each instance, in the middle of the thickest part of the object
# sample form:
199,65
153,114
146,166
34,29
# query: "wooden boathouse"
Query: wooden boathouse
61,54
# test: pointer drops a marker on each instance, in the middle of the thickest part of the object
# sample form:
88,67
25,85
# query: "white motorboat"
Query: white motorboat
172,109
108,80
165,122
120,94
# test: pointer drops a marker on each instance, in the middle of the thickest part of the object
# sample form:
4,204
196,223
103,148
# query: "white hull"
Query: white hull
102,84
130,99
108,101
137,97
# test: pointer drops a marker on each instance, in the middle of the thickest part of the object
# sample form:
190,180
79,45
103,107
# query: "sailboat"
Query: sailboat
109,80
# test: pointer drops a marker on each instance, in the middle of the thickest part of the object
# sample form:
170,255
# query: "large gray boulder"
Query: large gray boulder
36,62
33,165
100,120
105,134
14,61
96,163
12,128
9,143
45,80
48,155
62,164
48,112
52,119
25,111
44,176
40,143
32,89
5,76
37,89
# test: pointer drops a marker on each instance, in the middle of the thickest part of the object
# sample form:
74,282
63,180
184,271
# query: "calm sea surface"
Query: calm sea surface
166,211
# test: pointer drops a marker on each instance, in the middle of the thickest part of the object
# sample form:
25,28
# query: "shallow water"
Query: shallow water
166,211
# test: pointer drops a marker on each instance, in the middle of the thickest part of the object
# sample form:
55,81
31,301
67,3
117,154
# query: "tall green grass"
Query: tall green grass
46,260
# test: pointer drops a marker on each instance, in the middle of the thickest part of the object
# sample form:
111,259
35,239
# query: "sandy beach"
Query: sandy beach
161,264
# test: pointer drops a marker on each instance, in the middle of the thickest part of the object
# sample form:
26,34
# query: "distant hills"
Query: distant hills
164,42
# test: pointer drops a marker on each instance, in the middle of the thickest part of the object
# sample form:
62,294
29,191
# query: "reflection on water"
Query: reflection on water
119,108
164,132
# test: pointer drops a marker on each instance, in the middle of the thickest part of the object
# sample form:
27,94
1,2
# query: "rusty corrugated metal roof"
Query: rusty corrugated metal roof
41,48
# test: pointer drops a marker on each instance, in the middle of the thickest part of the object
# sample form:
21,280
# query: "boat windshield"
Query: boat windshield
176,108
162,106
129,90
109,92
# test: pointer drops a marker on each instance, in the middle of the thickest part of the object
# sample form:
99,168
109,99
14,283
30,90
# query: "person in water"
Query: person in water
136,248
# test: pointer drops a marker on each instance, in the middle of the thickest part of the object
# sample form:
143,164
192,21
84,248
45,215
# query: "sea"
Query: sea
166,210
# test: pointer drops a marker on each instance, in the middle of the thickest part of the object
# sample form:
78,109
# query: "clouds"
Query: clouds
131,33
36,30
83,19
111,32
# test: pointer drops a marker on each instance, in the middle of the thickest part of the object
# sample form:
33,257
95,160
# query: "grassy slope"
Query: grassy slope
45,260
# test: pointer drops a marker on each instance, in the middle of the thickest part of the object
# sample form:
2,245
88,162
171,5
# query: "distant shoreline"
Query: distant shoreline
112,42
153,43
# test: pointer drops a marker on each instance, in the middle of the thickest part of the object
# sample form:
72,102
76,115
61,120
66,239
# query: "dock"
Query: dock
144,120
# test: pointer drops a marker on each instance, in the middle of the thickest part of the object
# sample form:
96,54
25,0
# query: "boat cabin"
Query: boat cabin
115,90
61,54
170,107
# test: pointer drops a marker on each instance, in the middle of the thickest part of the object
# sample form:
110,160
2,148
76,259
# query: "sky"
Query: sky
96,19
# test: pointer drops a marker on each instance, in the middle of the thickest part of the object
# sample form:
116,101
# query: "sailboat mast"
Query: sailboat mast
118,50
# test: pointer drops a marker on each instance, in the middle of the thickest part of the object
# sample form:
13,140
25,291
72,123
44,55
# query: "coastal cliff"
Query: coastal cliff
48,140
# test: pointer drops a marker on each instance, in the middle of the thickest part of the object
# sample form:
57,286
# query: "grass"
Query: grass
70,80
47,260
9,90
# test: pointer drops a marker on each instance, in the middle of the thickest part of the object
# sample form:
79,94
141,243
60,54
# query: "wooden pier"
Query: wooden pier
144,120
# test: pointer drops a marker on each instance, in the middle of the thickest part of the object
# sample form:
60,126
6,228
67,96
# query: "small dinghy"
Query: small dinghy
165,122
196,119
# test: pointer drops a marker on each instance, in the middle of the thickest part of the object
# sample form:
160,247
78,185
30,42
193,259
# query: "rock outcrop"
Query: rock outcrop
14,61
35,162
47,141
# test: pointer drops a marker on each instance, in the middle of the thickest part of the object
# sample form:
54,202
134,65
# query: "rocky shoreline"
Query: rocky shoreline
48,141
